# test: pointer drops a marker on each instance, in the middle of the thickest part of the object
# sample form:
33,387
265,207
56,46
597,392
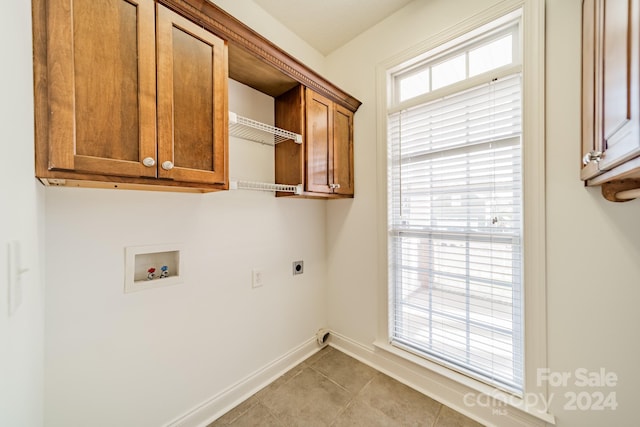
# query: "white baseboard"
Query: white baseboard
216,406
439,388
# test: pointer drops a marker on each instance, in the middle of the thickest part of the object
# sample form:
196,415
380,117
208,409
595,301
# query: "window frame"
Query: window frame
453,384
481,37
504,26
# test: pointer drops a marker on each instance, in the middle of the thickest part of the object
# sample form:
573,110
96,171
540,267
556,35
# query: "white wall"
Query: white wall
21,206
142,359
593,246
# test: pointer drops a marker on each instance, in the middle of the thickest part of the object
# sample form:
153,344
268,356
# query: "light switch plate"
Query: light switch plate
15,272
257,277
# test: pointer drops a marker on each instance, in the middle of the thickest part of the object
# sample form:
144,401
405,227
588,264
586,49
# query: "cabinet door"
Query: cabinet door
319,142
589,42
611,81
102,87
192,101
343,151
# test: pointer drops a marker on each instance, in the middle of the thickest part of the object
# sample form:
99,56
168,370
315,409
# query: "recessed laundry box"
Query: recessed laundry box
152,266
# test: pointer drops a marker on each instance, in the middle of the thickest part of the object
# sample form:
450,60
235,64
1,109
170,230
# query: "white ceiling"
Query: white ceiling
328,24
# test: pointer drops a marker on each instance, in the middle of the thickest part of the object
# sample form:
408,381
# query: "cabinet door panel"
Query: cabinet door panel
621,115
102,86
192,101
319,117
343,150
616,60
589,42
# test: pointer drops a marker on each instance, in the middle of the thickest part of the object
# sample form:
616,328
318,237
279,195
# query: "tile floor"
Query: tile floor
333,389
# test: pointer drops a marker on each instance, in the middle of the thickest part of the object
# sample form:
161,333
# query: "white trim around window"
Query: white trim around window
450,387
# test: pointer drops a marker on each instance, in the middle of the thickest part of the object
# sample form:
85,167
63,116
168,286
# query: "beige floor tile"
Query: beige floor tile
320,354
399,402
257,415
359,414
450,418
345,370
333,389
236,412
308,399
280,381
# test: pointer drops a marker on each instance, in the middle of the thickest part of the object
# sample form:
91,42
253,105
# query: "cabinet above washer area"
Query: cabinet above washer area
133,93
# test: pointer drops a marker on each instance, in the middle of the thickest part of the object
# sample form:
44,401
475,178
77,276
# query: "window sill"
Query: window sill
477,393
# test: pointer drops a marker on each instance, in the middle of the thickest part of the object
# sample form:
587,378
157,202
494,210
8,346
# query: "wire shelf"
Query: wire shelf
253,130
265,186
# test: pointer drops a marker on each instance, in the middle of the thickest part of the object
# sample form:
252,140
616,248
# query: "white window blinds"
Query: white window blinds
455,231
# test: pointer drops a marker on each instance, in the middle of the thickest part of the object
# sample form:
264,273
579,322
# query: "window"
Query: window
492,52
455,208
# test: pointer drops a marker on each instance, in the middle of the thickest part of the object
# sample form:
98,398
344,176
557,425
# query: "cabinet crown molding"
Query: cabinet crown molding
254,60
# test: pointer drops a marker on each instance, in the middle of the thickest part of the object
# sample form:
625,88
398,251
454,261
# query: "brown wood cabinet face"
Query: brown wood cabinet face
324,161
101,86
319,142
192,101
343,150
610,83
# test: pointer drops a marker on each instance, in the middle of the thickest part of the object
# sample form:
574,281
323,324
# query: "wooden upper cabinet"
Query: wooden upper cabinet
135,95
192,101
610,90
102,86
324,161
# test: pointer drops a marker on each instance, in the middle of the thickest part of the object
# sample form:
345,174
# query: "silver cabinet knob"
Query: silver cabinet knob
591,156
168,165
334,186
149,162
